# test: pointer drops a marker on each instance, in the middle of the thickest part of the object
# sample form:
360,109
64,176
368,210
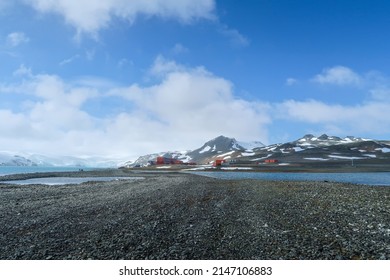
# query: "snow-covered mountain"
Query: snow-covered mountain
310,141
145,159
308,149
223,147
23,159
9,159
311,148
250,145
219,147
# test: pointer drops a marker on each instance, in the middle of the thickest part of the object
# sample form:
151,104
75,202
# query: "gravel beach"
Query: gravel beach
183,216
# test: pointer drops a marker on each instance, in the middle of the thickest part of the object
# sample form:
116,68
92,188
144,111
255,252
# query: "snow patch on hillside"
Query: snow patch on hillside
369,155
205,149
236,168
298,149
250,145
344,157
226,154
321,159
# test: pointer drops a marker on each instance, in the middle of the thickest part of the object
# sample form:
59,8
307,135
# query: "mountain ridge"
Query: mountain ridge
210,150
306,149
24,159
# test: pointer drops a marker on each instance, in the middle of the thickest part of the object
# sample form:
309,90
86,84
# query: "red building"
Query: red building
271,160
165,160
219,162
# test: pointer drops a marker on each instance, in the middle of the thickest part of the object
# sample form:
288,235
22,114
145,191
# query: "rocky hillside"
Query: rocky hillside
219,147
223,147
308,149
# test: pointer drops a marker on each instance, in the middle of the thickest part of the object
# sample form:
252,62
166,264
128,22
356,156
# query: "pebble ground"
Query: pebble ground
181,216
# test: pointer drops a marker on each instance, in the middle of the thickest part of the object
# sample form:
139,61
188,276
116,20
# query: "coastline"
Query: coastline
271,168
103,172
184,216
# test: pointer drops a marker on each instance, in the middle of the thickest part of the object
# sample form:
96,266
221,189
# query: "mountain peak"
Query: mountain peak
221,138
221,143
307,136
325,140
353,138
323,137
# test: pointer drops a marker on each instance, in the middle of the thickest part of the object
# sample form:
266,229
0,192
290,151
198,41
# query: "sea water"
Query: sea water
367,178
68,180
9,170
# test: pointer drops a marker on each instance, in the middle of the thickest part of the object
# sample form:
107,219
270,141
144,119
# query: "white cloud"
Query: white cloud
338,75
364,118
17,38
4,4
179,49
184,108
194,103
69,60
94,82
180,109
90,54
381,93
13,124
23,71
124,61
291,81
235,37
163,66
53,108
91,16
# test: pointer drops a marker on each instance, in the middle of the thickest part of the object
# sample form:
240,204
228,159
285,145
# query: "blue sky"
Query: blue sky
121,78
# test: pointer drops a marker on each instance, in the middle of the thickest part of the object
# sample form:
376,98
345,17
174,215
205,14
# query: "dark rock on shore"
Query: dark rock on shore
179,216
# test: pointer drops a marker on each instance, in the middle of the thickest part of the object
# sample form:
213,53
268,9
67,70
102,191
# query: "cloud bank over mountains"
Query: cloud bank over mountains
182,107
155,75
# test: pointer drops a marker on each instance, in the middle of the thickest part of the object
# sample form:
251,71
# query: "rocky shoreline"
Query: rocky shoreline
184,216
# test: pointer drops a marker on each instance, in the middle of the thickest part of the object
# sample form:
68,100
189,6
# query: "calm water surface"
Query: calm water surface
8,170
66,180
372,178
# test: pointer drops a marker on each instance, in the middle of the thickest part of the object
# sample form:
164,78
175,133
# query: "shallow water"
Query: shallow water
372,178
8,170
67,180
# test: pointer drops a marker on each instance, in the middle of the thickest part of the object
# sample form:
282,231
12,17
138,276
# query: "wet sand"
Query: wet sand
184,216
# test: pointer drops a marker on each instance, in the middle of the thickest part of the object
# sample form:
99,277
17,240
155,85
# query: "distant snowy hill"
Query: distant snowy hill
310,141
10,159
145,159
310,148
